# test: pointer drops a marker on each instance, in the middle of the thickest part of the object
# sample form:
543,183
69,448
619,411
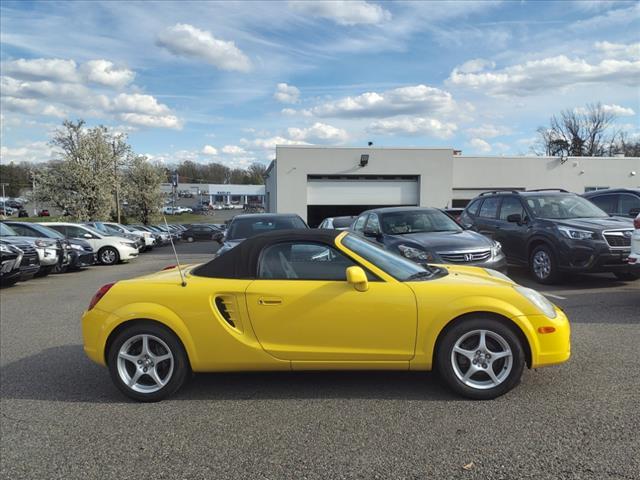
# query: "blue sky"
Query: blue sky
226,82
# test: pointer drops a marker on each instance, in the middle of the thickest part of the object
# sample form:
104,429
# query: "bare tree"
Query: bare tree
578,133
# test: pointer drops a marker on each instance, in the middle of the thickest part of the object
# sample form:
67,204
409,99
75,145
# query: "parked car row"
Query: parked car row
549,231
38,249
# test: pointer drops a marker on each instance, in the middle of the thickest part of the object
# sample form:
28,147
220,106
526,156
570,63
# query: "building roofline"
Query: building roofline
364,147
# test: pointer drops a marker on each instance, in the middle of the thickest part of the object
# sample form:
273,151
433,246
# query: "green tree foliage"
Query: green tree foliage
142,188
16,176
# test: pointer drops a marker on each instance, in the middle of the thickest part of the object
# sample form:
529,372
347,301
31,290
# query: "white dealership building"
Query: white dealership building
317,182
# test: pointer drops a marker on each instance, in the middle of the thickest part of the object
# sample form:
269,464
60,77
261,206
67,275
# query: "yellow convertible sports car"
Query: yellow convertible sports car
321,300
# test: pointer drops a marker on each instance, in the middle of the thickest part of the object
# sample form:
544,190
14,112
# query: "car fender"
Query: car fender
544,238
431,323
153,312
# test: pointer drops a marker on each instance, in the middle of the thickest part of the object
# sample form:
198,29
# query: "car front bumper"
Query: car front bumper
127,253
549,348
592,257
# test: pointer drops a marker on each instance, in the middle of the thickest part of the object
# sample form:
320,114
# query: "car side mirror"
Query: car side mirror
515,218
87,235
369,232
357,277
218,237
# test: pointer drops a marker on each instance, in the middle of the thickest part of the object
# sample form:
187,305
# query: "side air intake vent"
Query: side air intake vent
226,305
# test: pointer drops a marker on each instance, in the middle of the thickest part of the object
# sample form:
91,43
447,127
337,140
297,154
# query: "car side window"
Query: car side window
473,207
628,203
373,223
489,208
510,206
608,203
359,225
75,232
303,261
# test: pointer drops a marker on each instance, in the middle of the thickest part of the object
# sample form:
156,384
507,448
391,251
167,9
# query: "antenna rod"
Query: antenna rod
183,281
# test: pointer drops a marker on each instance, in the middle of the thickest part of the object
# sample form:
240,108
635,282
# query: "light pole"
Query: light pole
4,199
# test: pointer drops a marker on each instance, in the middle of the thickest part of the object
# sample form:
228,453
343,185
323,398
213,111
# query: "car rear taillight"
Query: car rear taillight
636,222
169,267
102,291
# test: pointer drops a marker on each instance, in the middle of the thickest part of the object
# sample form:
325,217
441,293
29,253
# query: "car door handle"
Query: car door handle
269,301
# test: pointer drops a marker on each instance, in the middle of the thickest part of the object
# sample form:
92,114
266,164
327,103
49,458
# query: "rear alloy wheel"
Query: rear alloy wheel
108,256
147,362
627,276
543,266
480,358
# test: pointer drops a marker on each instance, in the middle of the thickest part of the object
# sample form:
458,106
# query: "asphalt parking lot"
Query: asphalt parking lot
63,418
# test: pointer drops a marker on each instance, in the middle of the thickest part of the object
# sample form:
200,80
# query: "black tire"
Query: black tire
180,370
44,271
507,370
108,256
541,254
10,282
627,276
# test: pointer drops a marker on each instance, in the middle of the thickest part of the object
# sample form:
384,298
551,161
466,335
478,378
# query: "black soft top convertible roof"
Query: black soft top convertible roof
242,261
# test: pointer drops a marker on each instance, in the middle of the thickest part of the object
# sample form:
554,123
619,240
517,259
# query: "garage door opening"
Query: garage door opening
317,213
340,195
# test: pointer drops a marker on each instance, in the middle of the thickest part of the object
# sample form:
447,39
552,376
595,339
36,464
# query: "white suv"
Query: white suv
110,249
634,256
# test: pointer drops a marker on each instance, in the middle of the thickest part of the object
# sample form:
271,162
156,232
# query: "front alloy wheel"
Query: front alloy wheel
108,256
543,265
147,362
480,358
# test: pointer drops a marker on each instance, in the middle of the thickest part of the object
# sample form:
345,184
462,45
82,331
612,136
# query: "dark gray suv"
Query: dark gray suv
553,231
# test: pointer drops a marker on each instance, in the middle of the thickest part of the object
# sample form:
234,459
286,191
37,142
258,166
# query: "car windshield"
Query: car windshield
563,207
7,231
342,222
398,267
417,221
94,231
46,231
242,228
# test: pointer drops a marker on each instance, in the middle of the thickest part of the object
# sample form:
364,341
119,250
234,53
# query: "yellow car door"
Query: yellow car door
302,309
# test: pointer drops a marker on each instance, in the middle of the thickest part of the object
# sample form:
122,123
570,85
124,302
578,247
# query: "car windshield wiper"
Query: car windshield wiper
418,275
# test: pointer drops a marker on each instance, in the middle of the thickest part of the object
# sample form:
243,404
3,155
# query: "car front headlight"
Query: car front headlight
128,244
415,254
538,300
576,234
497,274
75,247
4,248
496,248
44,244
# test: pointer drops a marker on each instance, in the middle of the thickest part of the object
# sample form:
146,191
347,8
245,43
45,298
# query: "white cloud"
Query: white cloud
188,41
233,150
318,132
105,73
209,150
53,111
288,111
31,152
42,69
489,131
286,93
480,145
138,103
619,50
404,100
271,142
537,76
476,65
343,12
614,109
407,125
159,121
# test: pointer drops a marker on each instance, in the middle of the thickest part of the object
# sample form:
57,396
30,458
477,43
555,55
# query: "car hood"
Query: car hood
596,224
15,239
442,241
